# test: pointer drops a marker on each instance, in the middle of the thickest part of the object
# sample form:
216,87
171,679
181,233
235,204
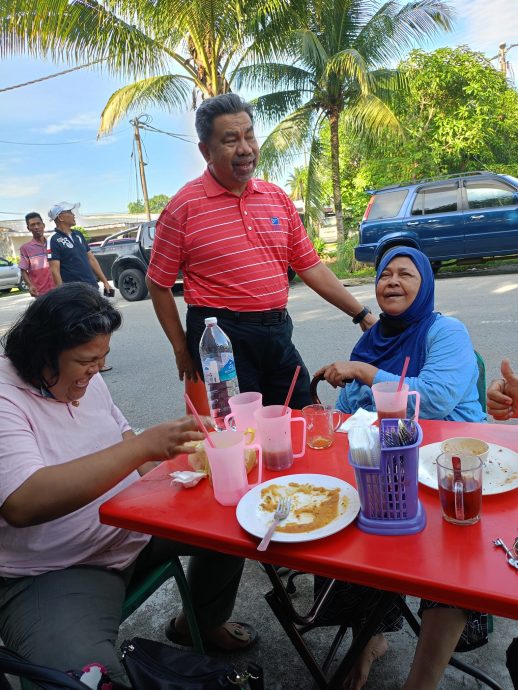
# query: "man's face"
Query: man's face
37,227
232,153
67,218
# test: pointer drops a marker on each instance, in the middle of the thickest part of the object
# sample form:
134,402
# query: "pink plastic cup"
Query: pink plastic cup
243,407
391,403
227,466
275,436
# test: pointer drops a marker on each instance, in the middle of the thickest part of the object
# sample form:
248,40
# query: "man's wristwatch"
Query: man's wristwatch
359,317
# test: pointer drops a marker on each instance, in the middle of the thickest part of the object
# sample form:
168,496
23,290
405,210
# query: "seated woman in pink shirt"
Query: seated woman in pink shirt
65,448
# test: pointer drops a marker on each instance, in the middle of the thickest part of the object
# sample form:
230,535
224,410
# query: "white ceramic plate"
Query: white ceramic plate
256,521
500,468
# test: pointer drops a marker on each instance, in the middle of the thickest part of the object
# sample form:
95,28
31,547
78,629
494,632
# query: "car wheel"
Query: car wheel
436,265
22,285
386,249
132,285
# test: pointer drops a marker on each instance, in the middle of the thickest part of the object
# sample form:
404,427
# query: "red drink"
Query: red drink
278,460
472,496
392,414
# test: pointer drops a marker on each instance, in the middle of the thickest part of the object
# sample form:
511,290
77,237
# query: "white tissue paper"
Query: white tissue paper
186,478
360,418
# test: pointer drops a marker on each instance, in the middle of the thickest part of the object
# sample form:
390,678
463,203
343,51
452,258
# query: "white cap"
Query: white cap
60,207
211,320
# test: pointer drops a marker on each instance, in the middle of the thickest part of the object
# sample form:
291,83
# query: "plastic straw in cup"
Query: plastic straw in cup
290,392
198,419
403,374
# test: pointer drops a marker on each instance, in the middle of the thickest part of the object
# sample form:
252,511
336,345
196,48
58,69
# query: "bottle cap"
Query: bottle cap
210,320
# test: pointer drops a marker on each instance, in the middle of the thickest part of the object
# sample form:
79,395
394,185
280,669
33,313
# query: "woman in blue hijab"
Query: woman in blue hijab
444,370
409,326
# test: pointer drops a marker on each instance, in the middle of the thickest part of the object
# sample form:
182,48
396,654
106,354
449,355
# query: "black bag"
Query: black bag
155,666
47,678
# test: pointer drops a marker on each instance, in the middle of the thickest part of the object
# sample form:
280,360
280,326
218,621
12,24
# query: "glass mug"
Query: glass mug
460,491
321,425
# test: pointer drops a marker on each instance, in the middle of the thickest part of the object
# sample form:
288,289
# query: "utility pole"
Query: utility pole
136,125
503,49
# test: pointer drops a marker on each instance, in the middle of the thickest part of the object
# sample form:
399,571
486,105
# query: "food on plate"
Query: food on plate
200,462
312,507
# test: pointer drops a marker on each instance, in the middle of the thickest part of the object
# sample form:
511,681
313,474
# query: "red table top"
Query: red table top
444,562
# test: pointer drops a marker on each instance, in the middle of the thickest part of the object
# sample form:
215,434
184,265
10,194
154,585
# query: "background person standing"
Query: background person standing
233,237
71,259
34,262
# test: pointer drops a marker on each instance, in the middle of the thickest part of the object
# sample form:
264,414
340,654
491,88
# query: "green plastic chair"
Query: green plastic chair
481,381
143,588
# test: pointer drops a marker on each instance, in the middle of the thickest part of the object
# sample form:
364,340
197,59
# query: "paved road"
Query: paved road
145,385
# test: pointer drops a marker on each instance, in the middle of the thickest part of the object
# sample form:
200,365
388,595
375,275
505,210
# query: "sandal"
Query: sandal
241,633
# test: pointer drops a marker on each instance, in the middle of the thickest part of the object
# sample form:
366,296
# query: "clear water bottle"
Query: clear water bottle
219,370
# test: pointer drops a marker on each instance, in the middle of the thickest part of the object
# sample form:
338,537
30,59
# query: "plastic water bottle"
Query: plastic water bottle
219,370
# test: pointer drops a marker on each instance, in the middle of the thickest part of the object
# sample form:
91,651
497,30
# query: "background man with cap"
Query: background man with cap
34,263
70,257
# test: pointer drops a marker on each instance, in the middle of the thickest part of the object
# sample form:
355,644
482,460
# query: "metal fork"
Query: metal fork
281,513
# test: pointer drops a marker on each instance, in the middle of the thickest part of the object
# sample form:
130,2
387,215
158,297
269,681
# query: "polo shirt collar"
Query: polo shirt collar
214,188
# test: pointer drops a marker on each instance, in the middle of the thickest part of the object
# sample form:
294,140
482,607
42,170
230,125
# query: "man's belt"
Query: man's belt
265,318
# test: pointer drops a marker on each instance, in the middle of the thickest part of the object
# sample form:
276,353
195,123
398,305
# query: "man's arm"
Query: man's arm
96,268
324,282
55,271
27,280
167,313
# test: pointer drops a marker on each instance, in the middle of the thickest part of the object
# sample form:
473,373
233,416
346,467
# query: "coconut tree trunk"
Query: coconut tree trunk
335,174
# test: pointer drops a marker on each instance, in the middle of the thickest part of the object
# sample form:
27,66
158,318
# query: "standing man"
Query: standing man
234,236
71,259
34,263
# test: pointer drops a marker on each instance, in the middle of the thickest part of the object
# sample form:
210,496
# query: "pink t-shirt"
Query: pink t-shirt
36,432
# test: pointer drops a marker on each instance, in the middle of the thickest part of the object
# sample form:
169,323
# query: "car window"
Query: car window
148,235
4,262
489,194
387,204
435,200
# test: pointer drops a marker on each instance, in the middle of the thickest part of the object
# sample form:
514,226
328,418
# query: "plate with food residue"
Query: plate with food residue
320,505
499,474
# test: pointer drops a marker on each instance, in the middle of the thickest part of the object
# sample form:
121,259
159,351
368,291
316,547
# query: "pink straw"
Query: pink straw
198,419
403,374
290,392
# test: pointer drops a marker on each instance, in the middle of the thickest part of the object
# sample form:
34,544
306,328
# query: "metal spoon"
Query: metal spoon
513,562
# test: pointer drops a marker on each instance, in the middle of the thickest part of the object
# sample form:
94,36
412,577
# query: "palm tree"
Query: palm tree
173,51
297,183
333,68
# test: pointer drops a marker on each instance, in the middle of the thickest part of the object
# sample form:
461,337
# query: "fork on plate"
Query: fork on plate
281,513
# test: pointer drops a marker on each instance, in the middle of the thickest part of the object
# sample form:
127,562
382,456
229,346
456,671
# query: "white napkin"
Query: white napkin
186,478
360,418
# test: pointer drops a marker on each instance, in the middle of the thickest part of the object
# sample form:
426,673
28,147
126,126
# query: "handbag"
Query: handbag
153,665
45,677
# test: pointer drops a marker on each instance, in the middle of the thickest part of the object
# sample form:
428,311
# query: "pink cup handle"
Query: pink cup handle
227,422
416,406
294,421
258,448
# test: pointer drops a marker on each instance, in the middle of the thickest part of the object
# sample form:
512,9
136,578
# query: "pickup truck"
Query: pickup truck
124,258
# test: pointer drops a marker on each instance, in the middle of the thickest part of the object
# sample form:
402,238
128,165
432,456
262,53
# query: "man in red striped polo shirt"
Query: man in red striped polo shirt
234,236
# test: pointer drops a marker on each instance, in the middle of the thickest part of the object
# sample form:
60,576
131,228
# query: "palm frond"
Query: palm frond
273,106
370,117
273,75
171,92
350,65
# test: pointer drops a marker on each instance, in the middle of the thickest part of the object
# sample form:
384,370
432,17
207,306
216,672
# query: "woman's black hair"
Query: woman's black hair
67,316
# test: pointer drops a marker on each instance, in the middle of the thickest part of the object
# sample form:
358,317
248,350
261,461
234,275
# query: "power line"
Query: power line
59,143
49,76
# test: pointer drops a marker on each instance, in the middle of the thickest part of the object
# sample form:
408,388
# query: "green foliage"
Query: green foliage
13,259
83,232
345,261
320,246
156,204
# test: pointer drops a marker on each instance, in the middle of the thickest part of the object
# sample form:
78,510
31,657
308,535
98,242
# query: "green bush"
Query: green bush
320,246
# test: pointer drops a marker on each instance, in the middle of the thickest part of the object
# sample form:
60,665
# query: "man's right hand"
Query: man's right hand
502,394
186,365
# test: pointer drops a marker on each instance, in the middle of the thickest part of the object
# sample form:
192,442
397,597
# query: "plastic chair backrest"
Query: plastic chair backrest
198,394
481,381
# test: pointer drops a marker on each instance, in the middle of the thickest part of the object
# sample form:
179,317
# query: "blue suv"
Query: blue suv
465,217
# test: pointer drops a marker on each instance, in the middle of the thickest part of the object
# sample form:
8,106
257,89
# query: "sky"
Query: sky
49,150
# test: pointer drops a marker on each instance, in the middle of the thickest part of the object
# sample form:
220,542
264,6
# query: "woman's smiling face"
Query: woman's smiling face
398,286
77,366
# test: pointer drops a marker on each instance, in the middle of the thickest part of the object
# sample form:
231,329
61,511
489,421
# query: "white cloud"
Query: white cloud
25,185
485,24
78,122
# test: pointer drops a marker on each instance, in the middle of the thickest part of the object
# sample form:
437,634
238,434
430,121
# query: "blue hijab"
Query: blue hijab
392,338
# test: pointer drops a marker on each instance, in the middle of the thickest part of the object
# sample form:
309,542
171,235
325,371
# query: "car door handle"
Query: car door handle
479,217
433,220
413,222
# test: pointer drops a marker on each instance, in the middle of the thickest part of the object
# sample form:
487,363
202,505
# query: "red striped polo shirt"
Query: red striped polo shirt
233,250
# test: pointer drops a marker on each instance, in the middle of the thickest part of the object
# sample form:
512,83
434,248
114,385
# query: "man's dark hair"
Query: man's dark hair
226,104
32,215
67,316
